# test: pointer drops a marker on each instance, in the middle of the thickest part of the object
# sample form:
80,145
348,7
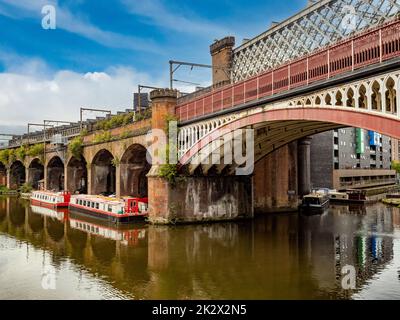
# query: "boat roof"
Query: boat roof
49,193
97,198
314,195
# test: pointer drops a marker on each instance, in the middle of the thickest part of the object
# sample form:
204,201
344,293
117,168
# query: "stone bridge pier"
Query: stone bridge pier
193,198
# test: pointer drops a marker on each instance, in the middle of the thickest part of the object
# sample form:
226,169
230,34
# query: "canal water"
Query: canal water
60,255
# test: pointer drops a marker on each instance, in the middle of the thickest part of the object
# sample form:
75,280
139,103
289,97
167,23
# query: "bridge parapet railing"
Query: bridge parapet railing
373,46
90,126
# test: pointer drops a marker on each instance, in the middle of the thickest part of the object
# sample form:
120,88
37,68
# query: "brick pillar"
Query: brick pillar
89,179
45,174
118,181
9,177
304,153
163,104
66,177
221,53
27,174
275,181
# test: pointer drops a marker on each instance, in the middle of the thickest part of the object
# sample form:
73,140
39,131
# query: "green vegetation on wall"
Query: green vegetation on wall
75,147
37,150
115,121
145,114
21,152
103,137
4,156
169,171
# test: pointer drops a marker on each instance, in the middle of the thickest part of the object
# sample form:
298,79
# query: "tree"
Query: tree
396,166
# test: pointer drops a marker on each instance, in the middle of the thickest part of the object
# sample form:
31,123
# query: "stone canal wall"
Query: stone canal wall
200,199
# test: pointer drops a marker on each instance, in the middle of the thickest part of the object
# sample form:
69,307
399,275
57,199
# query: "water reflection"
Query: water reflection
277,256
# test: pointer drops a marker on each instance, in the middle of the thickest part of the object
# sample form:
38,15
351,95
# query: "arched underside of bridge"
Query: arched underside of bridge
17,175
103,173
55,174
35,173
134,168
274,128
77,175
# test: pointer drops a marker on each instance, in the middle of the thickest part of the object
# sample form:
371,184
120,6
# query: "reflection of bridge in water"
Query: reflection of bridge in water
286,256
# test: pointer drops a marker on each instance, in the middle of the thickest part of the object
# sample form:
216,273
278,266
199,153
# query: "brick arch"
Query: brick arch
35,170
55,174
134,167
103,173
77,175
326,118
17,174
91,152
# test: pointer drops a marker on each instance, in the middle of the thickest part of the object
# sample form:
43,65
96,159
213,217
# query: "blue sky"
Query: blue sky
108,47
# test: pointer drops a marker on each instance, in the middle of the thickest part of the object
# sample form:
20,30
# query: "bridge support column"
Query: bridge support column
118,181
66,178
27,175
46,176
275,181
304,171
9,178
89,180
200,199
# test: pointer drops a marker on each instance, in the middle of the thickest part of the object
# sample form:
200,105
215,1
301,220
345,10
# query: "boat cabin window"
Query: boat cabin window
109,208
97,206
311,200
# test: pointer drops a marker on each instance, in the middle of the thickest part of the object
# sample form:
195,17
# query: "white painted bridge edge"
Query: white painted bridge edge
377,95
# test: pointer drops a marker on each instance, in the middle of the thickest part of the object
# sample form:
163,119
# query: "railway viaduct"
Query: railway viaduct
306,75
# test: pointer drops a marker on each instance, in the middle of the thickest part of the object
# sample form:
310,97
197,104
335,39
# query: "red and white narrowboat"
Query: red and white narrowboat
112,209
50,199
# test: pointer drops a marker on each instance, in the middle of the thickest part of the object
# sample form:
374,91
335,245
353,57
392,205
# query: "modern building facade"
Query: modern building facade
352,158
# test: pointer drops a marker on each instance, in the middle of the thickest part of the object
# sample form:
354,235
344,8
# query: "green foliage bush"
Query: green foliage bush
103,137
396,166
3,189
25,188
21,152
4,156
169,172
145,114
115,121
75,147
36,150
11,155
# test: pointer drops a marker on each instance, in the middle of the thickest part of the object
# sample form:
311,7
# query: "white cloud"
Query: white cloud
73,23
29,98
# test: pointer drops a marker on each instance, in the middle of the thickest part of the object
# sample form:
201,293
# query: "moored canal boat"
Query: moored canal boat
335,196
50,199
115,210
314,203
357,196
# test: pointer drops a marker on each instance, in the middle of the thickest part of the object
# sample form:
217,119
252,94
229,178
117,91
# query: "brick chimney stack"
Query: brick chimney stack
222,55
